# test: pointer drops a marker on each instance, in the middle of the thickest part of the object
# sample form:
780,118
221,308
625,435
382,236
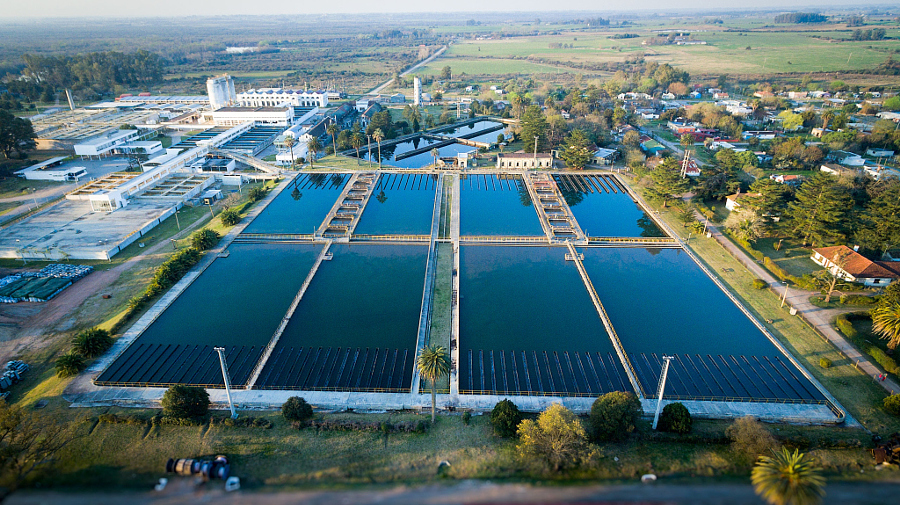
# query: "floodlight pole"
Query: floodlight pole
661,388
221,352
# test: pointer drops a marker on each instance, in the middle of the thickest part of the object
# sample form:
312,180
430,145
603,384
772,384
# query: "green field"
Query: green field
781,51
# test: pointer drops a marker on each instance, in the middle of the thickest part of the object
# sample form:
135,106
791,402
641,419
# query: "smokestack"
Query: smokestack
69,96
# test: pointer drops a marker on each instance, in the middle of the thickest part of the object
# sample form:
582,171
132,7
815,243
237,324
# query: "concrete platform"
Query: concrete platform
70,230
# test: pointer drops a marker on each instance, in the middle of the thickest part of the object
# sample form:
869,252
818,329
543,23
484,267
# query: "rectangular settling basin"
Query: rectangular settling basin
302,206
357,325
661,303
496,205
603,208
236,303
401,204
528,326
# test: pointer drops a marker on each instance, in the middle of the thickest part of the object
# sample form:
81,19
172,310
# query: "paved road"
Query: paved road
465,492
410,69
816,316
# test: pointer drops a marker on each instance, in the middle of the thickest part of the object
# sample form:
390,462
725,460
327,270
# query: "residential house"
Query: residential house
847,264
652,147
879,153
733,202
790,180
603,156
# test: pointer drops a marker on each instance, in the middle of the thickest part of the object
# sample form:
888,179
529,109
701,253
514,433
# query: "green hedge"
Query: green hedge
846,327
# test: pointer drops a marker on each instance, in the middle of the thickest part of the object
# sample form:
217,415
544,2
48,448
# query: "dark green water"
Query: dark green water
491,205
368,297
237,303
302,206
401,204
602,212
516,299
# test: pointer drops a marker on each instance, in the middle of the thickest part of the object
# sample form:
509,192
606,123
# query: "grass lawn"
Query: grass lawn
18,186
336,161
791,255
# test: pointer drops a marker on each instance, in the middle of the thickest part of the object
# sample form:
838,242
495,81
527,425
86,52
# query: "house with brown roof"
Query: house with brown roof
847,264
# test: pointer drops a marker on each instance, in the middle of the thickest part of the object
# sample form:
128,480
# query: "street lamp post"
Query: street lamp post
221,352
177,222
369,148
784,295
174,247
535,150
662,388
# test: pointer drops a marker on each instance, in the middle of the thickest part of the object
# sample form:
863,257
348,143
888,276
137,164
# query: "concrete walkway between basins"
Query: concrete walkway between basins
817,317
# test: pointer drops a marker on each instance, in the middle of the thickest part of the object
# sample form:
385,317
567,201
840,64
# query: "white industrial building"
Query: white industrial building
49,170
271,97
221,91
234,116
417,91
117,141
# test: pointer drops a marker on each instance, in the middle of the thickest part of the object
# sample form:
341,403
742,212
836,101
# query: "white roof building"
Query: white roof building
272,97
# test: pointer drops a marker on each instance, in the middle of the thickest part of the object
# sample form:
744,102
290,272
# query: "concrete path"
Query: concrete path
819,318
182,490
410,69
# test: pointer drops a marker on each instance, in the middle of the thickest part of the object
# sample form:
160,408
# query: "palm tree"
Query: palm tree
290,142
433,363
357,139
886,322
827,116
313,146
333,130
434,154
378,135
788,479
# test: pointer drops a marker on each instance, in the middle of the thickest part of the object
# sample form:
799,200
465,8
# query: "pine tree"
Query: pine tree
820,211
534,124
667,182
577,152
880,223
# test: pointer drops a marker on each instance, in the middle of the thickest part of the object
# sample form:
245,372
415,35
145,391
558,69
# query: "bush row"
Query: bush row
877,353
166,275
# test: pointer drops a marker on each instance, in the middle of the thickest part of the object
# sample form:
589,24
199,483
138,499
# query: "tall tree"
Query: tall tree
433,364
821,210
356,140
667,182
880,223
16,134
557,437
533,128
434,155
378,135
313,146
788,478
290,142
333,130
577,152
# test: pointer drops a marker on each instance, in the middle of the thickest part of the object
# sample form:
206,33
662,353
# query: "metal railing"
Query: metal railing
502,239
390,238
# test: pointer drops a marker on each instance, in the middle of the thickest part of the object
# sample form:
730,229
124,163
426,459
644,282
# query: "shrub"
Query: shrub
92,343
296,409
824,362
858,300
892,405
204,239
185,402
466,417
614,415
750,438
888,363
69,365
505,418
230,217
557,437
675,418
845,326
350,425
760,284
256,194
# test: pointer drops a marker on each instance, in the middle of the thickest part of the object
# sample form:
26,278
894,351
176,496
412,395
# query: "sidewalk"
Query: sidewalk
815,316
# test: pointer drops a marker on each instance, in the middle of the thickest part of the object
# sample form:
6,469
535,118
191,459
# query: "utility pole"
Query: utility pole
661,388
535,150
369,148
211,213
221,352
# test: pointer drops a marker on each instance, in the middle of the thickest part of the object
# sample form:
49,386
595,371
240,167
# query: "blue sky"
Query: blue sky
169,8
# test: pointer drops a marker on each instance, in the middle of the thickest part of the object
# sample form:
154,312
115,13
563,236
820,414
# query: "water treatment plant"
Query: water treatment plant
560,287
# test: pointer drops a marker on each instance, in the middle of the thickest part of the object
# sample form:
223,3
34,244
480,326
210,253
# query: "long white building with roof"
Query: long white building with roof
272,97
